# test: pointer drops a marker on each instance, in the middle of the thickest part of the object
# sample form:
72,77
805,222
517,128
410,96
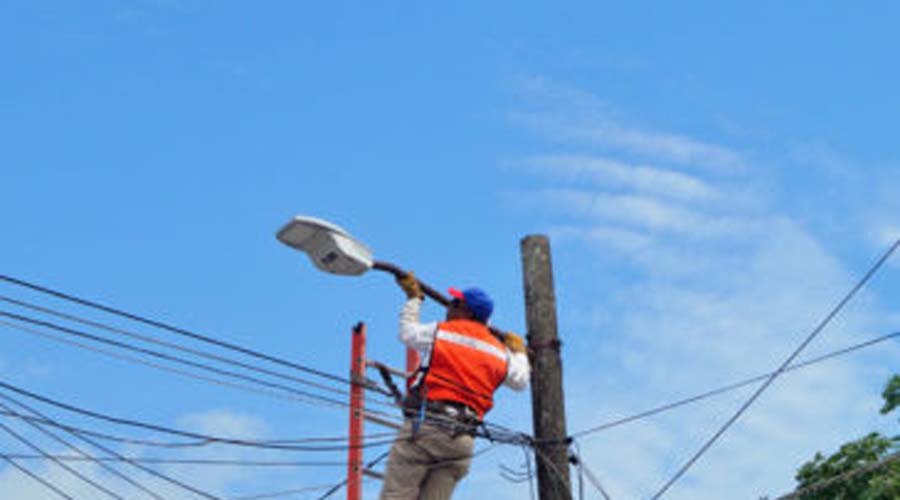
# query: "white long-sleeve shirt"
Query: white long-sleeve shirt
420,336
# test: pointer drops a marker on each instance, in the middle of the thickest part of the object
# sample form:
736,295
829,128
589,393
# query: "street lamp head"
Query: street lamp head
330,248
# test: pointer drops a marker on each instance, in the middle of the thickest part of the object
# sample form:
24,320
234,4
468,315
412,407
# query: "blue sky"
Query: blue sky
713,178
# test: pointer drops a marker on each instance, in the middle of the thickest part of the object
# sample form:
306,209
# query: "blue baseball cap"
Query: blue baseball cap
476,301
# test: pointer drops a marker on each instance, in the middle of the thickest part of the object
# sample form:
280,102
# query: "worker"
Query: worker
462,364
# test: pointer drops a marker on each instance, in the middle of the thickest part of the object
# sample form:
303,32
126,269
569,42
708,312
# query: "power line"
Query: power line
158,428
101,435
172,358
584,470
556,473
177,371
170,345
183,461
83,454
531,475
197,336
825,321
174,329
53,459
37,478
274,445
215,357
293,394
730,387
157,366
338,486
72,471
170,444
109,451
510,434
284,493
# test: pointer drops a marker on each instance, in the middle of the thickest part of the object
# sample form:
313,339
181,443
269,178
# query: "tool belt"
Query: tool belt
453,416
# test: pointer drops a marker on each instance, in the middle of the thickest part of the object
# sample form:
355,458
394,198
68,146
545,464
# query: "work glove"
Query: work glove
514,342
410,286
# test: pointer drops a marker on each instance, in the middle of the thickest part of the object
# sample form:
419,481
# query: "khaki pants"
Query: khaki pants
427,467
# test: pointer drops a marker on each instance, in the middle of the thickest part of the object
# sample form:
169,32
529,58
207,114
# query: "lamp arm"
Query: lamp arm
427,290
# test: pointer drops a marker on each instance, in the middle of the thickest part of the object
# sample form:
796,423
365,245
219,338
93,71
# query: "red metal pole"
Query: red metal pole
358,376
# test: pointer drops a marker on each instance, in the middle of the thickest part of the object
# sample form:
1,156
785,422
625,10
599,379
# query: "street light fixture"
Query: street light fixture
335,251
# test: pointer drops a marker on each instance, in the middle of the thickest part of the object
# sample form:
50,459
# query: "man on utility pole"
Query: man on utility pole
462,365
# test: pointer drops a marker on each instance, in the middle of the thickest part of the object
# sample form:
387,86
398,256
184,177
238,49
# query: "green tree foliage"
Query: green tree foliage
891,395
882,483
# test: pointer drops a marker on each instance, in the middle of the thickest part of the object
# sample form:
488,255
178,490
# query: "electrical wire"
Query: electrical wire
530,472
172,431
812,335
202,338
583,470
345,482
512,475
104,436
172,358
294,394
64,466
185,461
368,386
276,445
562,483
580,481
170,345
289,394
109,451
170,444
37,478
284,493
53,459
503,433
730,387
157,366
172,329
219,343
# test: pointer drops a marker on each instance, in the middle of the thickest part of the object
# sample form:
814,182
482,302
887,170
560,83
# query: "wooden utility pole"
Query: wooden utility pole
547,403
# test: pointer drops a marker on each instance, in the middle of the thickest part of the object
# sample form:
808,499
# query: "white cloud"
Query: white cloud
574,115
610,173
647,213
225,423
715,291
620,240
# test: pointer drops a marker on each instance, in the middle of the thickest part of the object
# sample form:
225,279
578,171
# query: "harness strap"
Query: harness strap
389,382
417,391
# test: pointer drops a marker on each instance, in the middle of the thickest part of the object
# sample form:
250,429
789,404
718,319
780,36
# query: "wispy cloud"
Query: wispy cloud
606,172
592,123
721,284
645,212
621,240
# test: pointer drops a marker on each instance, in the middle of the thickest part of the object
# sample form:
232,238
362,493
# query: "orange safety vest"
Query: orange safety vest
467,364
